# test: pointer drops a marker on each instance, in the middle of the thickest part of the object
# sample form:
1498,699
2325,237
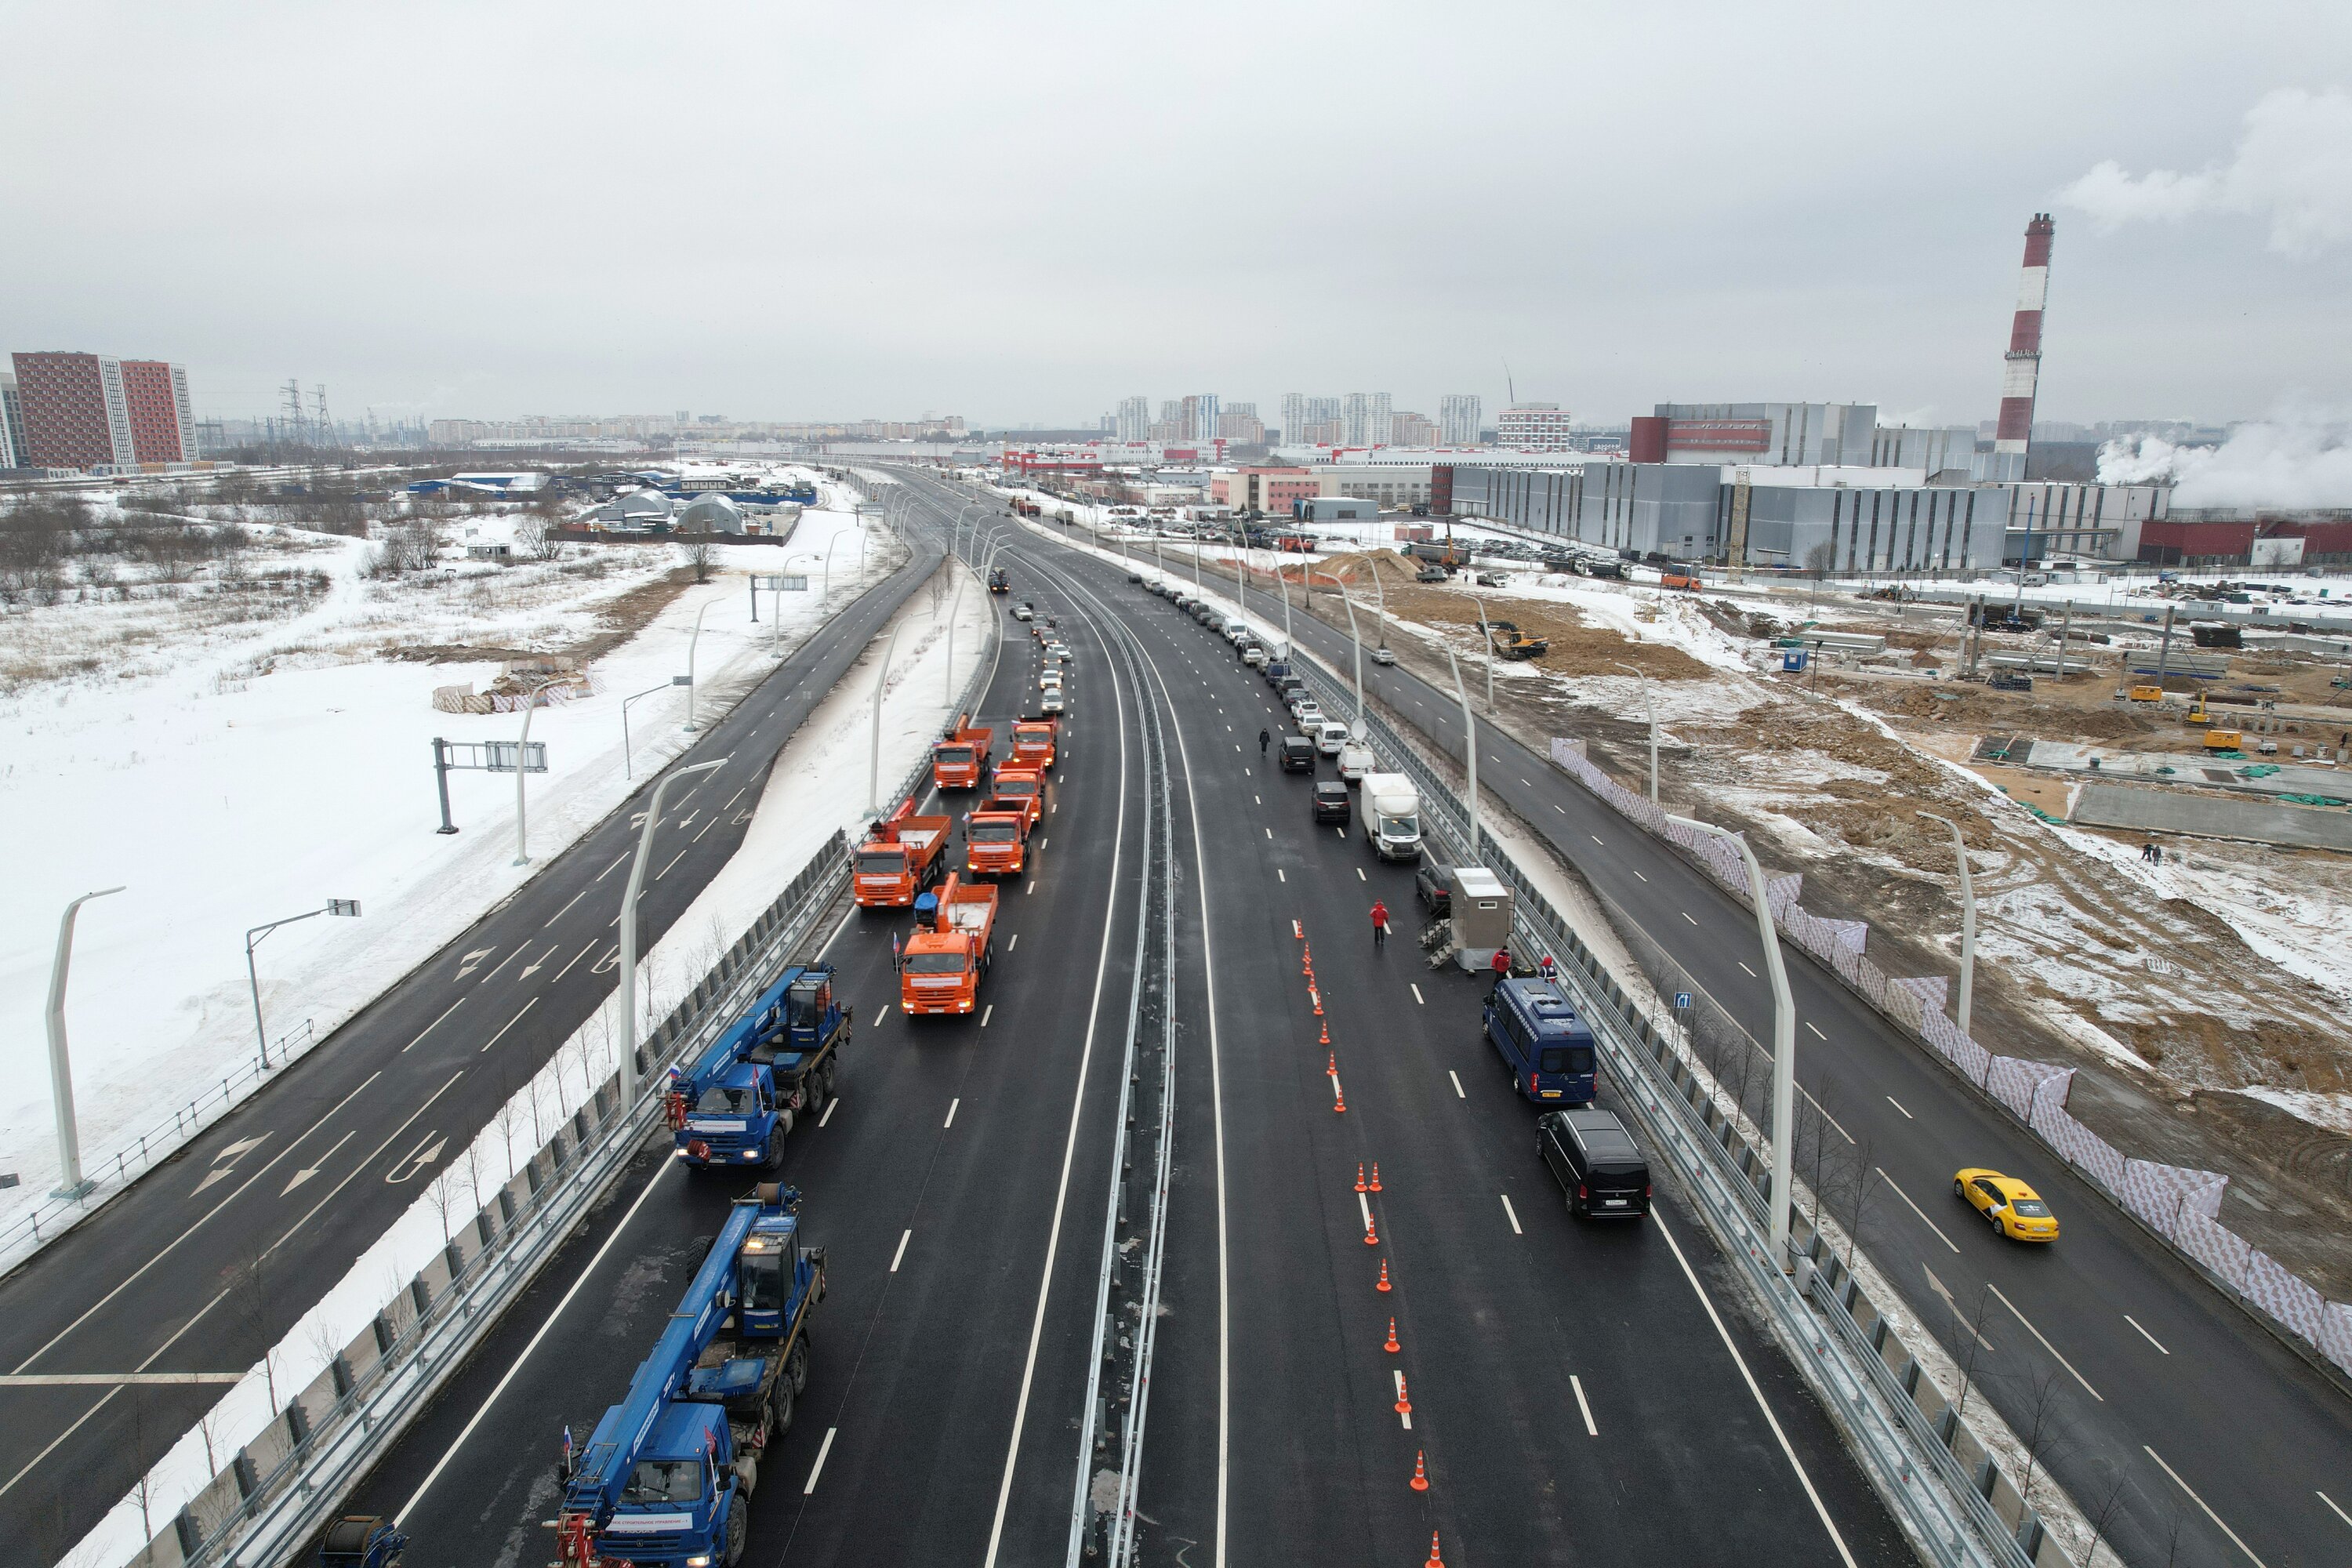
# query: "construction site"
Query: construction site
2162,876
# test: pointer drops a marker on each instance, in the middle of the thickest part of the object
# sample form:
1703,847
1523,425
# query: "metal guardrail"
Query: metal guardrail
329,1452
1940,1507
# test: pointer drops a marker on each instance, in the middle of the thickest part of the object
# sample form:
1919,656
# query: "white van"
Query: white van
1356,759
1330,737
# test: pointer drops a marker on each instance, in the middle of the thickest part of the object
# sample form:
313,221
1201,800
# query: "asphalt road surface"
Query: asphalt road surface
212,1255
1578,1395
2136,1381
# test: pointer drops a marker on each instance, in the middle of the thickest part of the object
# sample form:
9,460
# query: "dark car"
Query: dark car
1331,801
1297,755
1430,886
1598,1165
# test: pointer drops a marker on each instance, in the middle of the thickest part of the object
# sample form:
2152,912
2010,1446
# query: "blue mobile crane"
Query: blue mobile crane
740,1100
667,1478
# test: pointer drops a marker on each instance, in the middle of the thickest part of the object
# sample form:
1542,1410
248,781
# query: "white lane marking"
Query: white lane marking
1744,970
436,1023
2145,1334
673,861
1915,1208
882,1015
565,909
1013,943
1686,915
1898,1105
2060,1360
502,1034
1360,875
1562,809
1826,1116
1278,875
1457,1084
576,958
951,1111
120,1379
984,1013
618,859
367,1160
1363,1205
1817,1034
1259,799
818,1468
510,958
1595,837
1269,833
1404,1416
1337,1097
897,1257
2201,1503
830,1107
1637,873
1525,781
409,1510
1416,993
164,1251
307,1172
2330,1501
1031,887
1510,1213
1586,1410
1750,1378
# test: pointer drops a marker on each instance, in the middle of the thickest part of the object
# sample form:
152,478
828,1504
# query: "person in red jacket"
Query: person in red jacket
1380,923
1501,966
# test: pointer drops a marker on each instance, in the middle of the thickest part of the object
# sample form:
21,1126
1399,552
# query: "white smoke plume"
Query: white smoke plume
2293,165
2294,461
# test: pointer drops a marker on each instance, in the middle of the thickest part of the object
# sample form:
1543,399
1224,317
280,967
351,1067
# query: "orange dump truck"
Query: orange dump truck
1019,785
996,837
903,855
1034,741
961,761
940,966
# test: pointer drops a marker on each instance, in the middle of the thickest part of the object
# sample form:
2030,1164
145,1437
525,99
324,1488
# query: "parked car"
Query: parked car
1356,759
1383,655
1329,802
2014,1209
1432,887
1296,754
1600,1166
1330,737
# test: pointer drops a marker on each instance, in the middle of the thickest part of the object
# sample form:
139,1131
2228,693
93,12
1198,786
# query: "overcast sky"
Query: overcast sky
1023,212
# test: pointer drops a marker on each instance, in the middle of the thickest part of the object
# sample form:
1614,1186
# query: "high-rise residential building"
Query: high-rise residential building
1409,429
1458,417
1365,415
1305,418
77,414
12,424
1322,433
1135,419
1535,427
1239,422
162,424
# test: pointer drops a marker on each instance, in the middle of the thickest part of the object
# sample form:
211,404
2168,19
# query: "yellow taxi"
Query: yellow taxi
2014,1209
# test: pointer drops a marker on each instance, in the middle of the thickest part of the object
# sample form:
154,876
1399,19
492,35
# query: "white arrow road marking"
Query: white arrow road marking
531,969
612,960
308,1171
239,1147
1961,1318
226,1162
473,961
412,1165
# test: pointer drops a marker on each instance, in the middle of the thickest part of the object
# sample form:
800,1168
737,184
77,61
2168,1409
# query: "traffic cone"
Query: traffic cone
1420,1481
1339,1100
1305,958
1404,1402
1360,1177
1371,1239
1376,1176
1393,1347
1325,1039
1383,1286
1331,1067
1435,1560
1319,1002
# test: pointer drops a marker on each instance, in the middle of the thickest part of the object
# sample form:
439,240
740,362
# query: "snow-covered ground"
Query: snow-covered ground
269,771
818,785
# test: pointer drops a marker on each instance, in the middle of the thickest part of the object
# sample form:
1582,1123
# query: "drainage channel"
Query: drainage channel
1109,1471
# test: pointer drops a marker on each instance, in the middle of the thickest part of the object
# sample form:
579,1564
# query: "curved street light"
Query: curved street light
1967,918
874,761
629,923
522,765
1358,639
1650,696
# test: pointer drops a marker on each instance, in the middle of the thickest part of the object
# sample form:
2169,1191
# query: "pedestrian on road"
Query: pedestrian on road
1380,923
1264,739
1502,967
1547,968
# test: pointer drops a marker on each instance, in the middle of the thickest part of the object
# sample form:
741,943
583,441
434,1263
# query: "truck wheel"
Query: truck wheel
796,1364
782,1401
739,1531
775,1158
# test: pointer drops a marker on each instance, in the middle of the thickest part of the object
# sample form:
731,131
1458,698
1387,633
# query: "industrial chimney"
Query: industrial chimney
2016,431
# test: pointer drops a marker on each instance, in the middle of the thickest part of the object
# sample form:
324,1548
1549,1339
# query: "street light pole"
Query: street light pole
955,603
629,927
1967,918
522,765
691,644
1650,696
1469,749
1355,638
874,760
1489,636
257,935
1784,1042
71,1183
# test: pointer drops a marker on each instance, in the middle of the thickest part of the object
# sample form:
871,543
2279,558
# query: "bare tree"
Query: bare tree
2101,1519
2040,1431
1865,1182
1819,560
700,551
442,1193
1973,1326
535,537
252,1294
142,1488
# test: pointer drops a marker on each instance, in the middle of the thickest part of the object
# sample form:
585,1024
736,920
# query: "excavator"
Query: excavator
1509,642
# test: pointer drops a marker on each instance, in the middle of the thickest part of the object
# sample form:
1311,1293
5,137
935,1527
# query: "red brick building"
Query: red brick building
91,411
163,427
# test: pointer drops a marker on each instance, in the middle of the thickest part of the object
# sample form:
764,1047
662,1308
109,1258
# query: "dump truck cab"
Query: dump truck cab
1024,786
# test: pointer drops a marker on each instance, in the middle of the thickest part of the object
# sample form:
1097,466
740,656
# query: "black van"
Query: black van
1598,1165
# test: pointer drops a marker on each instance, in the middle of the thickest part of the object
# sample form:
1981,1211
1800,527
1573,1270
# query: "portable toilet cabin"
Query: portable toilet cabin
1482,916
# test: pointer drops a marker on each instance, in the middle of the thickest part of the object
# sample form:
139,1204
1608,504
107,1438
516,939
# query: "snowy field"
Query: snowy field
244,775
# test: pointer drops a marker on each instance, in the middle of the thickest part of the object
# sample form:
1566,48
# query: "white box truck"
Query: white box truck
1392,816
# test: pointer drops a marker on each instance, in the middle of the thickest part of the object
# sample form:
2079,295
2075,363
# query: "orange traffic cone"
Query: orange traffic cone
1319,1002
1404,1402
1370,1237
1325,1039
1435,1560
1339,1101
1360,1177
1383,1286
1420,1481
1393,1347
1331,1067
1376,1176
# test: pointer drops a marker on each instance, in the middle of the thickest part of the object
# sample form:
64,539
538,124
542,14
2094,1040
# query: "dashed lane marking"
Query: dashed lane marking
951,1111
818,1468
2208,1511
830,1107
899,1257
1898,1105
1510,1213
502,1034
1582,1408
1817,1034
1416,994
1457,1084
1915,1208
2145,1334
984,1013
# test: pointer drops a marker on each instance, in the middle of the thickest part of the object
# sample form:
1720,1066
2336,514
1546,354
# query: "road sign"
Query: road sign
498,756
1682,1000
681,681
342,906
777,583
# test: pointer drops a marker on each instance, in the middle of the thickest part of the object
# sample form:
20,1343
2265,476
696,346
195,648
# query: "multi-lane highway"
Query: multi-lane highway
212,1257
1576,1393
2156,1403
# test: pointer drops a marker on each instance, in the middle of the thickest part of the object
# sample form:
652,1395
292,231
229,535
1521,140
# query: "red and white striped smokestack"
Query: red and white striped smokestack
2024,369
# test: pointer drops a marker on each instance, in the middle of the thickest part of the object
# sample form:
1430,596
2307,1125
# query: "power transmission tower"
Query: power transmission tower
326,427
294,419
